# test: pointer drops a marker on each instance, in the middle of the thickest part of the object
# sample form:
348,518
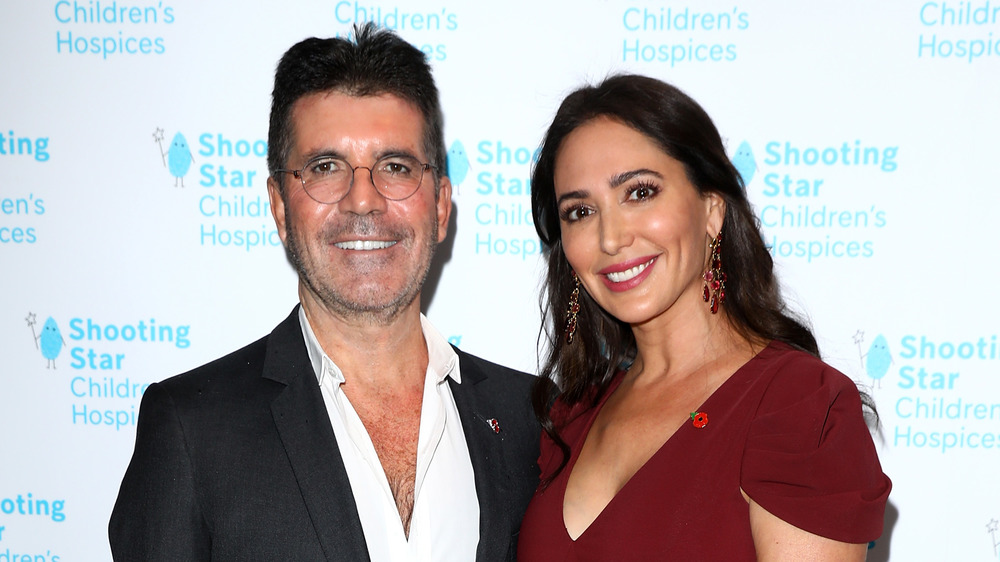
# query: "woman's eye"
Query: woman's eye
574,214
640,192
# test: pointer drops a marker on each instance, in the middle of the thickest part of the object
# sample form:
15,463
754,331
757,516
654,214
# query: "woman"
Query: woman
694,419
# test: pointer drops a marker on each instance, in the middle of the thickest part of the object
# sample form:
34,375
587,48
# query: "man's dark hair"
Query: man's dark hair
375,62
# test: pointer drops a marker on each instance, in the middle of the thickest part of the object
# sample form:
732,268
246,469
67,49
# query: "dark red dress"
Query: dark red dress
786,428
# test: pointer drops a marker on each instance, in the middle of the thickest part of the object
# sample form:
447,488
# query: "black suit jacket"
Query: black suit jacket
237,460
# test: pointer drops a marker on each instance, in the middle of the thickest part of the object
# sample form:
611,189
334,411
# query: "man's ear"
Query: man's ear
443,205
277,207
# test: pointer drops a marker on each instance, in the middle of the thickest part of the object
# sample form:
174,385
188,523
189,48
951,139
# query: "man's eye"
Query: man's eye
325,167
395,168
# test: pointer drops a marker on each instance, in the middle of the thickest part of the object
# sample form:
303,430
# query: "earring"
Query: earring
715,278
572,309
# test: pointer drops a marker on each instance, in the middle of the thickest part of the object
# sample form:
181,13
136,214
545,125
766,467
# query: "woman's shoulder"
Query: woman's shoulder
788,373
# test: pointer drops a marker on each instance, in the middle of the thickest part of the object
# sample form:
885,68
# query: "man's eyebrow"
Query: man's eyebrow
329,152
394,151
619,179
321,152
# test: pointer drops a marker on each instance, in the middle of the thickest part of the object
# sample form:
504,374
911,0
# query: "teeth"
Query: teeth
622,276
364,244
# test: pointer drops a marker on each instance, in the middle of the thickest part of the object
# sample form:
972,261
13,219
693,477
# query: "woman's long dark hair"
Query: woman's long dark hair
603,345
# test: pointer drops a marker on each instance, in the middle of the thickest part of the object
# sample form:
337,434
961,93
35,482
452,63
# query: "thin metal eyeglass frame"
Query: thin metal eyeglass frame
371,176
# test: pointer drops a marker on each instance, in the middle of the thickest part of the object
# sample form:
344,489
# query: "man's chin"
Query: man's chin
368,306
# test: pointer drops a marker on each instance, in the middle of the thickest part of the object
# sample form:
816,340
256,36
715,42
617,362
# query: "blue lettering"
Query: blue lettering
899,412
62,18
625,19
480,217
925,19
336,12
78,361
909,351
205,140
485,156
485,187
73,389
207,179
74,326
771,181
906,373
773,155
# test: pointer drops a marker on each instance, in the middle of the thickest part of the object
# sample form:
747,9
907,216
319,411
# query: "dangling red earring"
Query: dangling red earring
572,309
715,278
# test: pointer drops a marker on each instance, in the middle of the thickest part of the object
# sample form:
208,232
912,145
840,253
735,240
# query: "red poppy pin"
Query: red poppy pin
494,424
699,419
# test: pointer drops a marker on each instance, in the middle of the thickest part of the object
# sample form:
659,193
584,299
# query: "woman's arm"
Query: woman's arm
776,540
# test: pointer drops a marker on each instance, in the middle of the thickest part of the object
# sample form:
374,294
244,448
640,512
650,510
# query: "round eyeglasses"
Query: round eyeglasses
328,179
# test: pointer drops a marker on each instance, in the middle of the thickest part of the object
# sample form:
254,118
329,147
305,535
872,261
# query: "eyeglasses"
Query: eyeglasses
328,179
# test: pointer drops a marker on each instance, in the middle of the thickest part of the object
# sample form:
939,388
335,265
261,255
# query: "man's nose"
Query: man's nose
362,196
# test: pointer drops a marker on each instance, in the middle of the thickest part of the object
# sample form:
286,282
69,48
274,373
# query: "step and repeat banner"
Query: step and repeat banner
136,240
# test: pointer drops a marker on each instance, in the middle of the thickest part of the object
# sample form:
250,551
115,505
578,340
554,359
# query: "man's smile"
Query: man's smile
365,244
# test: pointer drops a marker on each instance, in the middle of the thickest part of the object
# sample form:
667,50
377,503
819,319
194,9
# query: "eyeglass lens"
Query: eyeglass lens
328,179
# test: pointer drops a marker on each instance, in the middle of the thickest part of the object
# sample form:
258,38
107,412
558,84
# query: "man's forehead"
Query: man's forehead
311,101
356,109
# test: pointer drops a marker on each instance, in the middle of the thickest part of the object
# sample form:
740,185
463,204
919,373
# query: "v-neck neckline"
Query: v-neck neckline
582,439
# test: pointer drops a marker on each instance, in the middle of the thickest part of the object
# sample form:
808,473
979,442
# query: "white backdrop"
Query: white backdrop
867,130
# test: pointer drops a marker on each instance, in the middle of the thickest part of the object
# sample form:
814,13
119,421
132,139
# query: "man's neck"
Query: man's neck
371,350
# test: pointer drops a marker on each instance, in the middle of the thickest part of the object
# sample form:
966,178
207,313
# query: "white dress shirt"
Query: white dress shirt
444,525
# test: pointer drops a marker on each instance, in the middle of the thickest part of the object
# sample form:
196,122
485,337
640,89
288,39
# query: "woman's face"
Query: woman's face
633,227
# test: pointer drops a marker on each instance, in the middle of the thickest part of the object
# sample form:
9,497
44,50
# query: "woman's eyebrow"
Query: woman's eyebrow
578,194
623,177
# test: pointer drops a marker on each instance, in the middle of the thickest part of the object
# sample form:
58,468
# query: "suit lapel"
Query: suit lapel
488,464
304,429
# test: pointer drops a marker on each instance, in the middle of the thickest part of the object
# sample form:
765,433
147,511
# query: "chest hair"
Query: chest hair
393,423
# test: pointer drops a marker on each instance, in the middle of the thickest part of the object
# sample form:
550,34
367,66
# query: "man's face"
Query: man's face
364,256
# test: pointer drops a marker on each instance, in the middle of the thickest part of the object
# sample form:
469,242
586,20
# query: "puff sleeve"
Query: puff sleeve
809,457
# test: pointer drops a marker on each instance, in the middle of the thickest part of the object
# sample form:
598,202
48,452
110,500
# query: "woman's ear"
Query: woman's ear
715,208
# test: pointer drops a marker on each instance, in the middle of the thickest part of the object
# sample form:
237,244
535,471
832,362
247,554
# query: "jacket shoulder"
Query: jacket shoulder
491,369
226,375
503,389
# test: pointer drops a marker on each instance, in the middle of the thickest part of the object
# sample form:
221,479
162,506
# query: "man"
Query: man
353,431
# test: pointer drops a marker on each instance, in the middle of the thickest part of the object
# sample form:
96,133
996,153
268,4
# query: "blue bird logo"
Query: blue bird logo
177,158
50,342
744,162
877,360
458,163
